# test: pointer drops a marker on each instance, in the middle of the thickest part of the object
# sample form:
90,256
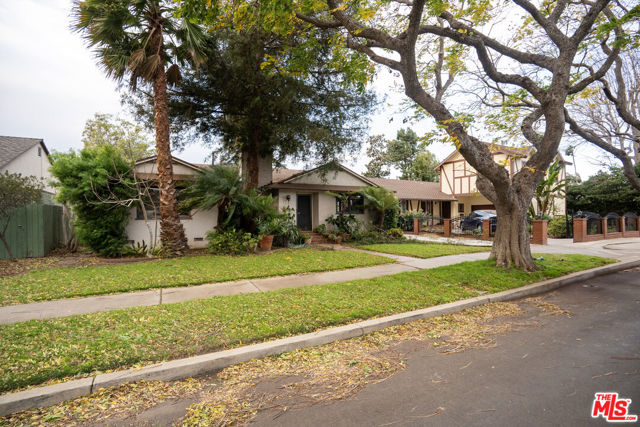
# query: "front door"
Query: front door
446,209
303,211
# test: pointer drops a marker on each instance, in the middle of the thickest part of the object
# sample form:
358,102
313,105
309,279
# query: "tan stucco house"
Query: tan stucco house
306,193
196,223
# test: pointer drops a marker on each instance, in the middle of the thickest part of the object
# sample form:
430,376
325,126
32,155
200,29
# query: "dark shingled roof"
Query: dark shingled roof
12,146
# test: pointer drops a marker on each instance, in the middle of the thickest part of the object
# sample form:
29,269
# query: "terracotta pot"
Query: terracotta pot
308,241
338,240
266,242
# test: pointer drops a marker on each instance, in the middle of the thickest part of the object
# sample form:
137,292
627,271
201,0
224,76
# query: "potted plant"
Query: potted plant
335,238
267,228
306,237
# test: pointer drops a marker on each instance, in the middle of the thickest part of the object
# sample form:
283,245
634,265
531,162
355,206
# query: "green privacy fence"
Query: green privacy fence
34,231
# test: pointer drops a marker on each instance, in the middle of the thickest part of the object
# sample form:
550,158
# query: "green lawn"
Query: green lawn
40,350
424,250
55,283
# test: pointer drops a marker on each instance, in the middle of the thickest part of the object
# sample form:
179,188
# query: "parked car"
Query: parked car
474,220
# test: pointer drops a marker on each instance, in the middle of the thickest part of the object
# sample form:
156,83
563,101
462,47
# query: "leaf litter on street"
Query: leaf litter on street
304,377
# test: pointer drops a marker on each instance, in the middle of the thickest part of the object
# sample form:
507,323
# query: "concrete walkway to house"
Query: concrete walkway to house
622,249
449,240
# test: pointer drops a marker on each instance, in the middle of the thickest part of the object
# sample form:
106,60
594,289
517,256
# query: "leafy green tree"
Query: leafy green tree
424,167
376,151
16,191
144,40
603,193
127,138
406,153
84,180
262,94
380,200
539,68
402,151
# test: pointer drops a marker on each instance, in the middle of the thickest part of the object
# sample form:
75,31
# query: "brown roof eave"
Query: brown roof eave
313,187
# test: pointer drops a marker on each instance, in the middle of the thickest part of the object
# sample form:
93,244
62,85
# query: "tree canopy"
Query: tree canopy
84,180
251,96
406,153
536,66
603,193
127,138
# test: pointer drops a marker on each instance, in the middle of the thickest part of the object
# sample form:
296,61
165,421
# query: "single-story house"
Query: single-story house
305,193
196,223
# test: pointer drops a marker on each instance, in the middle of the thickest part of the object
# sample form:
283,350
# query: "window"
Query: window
354,204
460,208
155,203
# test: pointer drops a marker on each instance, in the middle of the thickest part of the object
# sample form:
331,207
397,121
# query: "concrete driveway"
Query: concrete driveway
535,376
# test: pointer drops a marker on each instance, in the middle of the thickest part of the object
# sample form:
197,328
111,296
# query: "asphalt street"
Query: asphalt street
534,376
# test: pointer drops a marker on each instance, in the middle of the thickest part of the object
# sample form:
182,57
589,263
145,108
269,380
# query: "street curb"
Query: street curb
192,366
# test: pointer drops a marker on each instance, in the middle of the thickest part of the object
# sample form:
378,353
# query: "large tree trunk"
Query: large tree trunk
511,244
252,161
171,230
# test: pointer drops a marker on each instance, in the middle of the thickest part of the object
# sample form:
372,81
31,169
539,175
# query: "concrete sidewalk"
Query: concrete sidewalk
621,249
94,304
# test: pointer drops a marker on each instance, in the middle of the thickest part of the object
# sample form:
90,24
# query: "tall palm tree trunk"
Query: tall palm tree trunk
171,230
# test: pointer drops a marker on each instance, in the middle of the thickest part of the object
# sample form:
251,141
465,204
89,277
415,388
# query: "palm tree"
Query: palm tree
222,187
218,186
380,199
141,39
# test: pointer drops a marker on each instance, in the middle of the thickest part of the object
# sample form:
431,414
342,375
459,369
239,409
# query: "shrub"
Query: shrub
231,242
136,250
395,233
285,229
84,180
405,220
344,223
391,218
557,227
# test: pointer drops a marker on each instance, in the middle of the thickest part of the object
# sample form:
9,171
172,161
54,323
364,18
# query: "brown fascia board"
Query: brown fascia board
173,158
346,169
313,187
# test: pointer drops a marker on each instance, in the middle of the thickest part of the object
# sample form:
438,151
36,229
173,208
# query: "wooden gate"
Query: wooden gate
34,231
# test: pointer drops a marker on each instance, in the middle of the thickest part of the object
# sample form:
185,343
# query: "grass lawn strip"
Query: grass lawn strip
229,397
38,351
56,283
424,250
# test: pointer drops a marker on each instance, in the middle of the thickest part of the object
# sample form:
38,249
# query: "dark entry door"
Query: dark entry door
304,211
446,210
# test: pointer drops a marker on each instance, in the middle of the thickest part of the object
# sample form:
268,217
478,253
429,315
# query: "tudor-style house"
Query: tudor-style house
458,179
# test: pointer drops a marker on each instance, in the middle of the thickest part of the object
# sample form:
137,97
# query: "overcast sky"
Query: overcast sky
50,85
